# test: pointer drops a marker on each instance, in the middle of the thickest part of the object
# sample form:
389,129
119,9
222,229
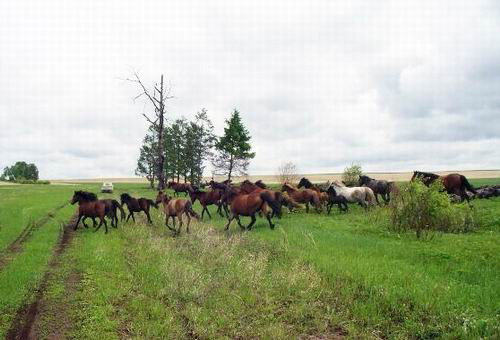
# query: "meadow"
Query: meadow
314,276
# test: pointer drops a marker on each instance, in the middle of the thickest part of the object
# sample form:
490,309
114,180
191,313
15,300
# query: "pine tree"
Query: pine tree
233,148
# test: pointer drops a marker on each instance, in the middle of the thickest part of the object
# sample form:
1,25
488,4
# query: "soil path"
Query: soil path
23,325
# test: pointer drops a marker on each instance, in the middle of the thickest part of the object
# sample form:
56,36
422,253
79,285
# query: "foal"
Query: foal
208,198
137,205
176,207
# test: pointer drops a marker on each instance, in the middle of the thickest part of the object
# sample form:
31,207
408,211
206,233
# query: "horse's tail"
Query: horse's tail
190,211
117,205
153,203
274,204
467,185
370,196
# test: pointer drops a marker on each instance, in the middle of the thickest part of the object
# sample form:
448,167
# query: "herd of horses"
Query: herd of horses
252,199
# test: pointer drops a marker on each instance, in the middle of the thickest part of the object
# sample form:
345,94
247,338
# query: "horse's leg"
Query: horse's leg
271,225
329,207
149,217
94,223
307,207
181,222
83,222
229,222
253,221
133,218
188,222
219,209
166,223
208,212
376,198
129,214
78,221
239,222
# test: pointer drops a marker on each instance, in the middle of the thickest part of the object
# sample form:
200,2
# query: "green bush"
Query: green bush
30,181
428,209
351,174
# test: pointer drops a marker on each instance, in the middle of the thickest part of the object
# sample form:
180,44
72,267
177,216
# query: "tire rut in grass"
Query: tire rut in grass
23,326
16,246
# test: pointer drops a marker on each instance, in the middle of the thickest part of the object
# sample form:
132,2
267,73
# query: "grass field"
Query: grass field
317,276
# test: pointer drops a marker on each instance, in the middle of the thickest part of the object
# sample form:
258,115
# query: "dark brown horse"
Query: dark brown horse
242,204
453,183
207,198
186,188
112,206
176,208
248,187
304,196
379,187
89,206
137,205
320,187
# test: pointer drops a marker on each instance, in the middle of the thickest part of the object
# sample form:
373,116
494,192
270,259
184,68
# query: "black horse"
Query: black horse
137,205
333,198
379,187
322,187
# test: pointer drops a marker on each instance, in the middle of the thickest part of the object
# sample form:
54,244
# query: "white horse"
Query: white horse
361,195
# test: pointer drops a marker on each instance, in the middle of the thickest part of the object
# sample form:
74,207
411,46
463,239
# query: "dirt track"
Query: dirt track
23,326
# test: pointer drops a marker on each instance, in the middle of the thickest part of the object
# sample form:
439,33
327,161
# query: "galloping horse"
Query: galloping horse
177,207
319,188
248,205
453,183
137,205
333,198
111,211
362,195
89,206
285,198
248,187
207,198
379,187
186,188
322,187
304,196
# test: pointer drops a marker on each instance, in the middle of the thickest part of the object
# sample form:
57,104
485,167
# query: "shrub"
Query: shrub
287,173
351,174
428,209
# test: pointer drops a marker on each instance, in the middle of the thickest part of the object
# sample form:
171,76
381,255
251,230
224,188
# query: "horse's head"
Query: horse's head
303,182
286,187
261,184
331,191
124,198
83,196
76,197
162,197
415,175
363,180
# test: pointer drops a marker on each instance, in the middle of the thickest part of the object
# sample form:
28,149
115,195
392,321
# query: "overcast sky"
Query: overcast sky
392,85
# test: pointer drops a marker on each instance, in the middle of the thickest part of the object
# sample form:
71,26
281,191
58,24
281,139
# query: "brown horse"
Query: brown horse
453,183
177,207
89,206
207,198
242,204
304,196
186,188
248,187
137,205
111,211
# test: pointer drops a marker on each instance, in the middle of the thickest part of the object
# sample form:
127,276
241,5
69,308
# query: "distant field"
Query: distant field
315,276
390,176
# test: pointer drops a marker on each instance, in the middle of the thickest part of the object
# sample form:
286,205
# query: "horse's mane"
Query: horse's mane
125,196
86,196
426,174
261,184
289,186
305,180
338,184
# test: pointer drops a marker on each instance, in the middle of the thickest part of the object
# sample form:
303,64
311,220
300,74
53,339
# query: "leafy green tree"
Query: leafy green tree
146,166
351,174
19,171
233,148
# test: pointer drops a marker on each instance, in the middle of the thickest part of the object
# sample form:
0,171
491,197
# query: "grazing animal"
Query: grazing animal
137,205
207,198
379,187
321,187
304,196
186,188
89,206
176,208
242,204
333,198
453,183
362,195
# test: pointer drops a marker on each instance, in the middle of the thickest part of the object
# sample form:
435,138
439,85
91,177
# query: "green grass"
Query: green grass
343,274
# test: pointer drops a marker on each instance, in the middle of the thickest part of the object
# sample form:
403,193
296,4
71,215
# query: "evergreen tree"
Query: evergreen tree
233,148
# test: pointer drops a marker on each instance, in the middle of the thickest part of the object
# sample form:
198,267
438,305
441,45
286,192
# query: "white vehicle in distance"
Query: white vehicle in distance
107,187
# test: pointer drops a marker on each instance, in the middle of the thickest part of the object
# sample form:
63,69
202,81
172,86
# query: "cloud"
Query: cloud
392,85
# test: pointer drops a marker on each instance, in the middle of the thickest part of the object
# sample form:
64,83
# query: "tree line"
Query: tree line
179,150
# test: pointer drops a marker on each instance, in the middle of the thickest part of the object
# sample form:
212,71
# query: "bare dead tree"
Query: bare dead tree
287,173
157,98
